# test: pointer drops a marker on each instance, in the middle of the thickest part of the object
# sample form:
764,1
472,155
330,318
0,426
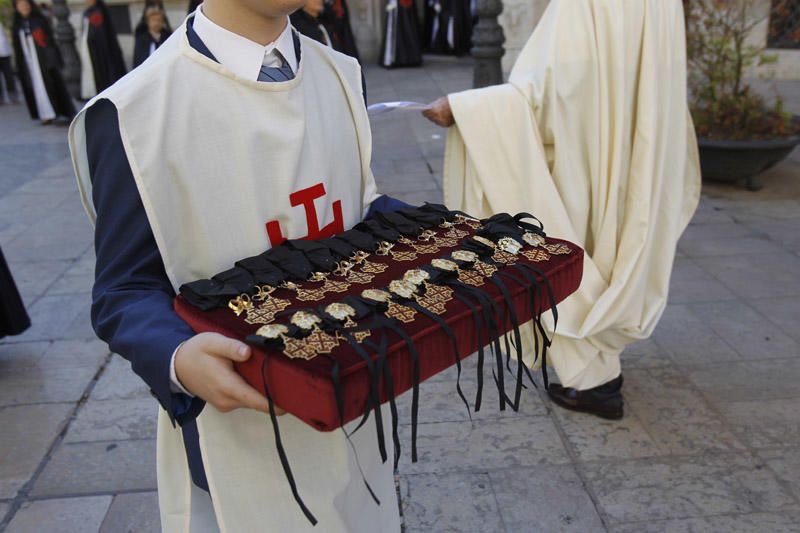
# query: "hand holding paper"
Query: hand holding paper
387,107
439,113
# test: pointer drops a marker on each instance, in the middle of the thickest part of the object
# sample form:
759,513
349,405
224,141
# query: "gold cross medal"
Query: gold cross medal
406,290
536,255
315,343
265,312
533,239
304,295
507,250
397,311
474,223
361,278
274,332
485,270
424,244
436,296
455,233
345,270
360,258
470,277
558,249
450,238
345,313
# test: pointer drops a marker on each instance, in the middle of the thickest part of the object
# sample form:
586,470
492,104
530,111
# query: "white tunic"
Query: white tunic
592,134
218,157
43,105
88,85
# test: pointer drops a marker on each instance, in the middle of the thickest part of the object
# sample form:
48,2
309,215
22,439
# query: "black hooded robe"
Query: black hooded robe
141,26
310,27
448,27
107,63
50,63
336,19
401,43
144,43
13,318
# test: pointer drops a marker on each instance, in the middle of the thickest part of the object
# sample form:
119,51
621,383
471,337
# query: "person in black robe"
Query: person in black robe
336,19
141,27
13,317
448,27
306,21
39,64
103,47
156,31
401,43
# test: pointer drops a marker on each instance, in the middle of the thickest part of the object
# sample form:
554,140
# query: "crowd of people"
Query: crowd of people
446,29
39,63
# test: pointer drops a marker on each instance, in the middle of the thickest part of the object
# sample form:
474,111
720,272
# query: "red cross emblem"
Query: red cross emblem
306,197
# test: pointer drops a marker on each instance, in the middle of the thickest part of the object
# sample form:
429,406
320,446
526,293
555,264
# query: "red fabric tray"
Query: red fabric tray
305,389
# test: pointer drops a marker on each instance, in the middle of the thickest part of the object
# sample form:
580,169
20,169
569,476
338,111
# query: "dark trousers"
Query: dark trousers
8,75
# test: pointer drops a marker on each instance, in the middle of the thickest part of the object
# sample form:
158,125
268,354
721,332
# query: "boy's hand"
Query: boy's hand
204,366
439,113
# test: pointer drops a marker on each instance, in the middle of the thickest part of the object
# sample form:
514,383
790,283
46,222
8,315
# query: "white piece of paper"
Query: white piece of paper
387,107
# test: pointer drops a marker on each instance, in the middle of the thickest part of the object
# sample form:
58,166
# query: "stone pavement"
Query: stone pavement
711,440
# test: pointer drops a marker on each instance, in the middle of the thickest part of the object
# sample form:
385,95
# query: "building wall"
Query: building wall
519,18
788,65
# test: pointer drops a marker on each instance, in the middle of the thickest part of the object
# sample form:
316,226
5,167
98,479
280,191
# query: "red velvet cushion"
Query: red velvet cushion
305,389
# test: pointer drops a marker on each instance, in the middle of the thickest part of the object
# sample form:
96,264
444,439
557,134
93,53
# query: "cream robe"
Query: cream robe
252,145
592,134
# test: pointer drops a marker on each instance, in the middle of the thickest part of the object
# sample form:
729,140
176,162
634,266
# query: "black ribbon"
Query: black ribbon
293,262
262,270
427,219
361,240
287,470
319,255
378,230
396,221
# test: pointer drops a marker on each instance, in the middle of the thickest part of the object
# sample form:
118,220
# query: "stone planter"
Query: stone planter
731,161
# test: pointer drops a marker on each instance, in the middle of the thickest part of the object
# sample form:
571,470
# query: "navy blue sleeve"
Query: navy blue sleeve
384,204
132,297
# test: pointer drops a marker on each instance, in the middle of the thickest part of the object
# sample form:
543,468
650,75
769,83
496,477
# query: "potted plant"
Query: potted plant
739,133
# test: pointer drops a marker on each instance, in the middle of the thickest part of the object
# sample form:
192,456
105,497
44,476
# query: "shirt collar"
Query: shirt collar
238,54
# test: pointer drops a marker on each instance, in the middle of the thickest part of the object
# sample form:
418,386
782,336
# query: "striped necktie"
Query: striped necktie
271,74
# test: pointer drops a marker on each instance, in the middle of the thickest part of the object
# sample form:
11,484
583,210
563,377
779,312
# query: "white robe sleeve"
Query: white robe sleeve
592,135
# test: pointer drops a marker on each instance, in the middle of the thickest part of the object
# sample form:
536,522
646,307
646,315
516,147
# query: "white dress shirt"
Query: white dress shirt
244,58
239,54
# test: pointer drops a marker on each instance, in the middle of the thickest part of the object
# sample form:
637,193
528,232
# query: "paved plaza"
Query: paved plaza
710,440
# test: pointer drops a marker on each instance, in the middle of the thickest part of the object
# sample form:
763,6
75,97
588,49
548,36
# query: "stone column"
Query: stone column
65,39
487,44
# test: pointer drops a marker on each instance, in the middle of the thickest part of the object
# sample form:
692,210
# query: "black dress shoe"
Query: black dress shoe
604,400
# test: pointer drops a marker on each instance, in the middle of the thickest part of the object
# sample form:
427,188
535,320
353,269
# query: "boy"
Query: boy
225,172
